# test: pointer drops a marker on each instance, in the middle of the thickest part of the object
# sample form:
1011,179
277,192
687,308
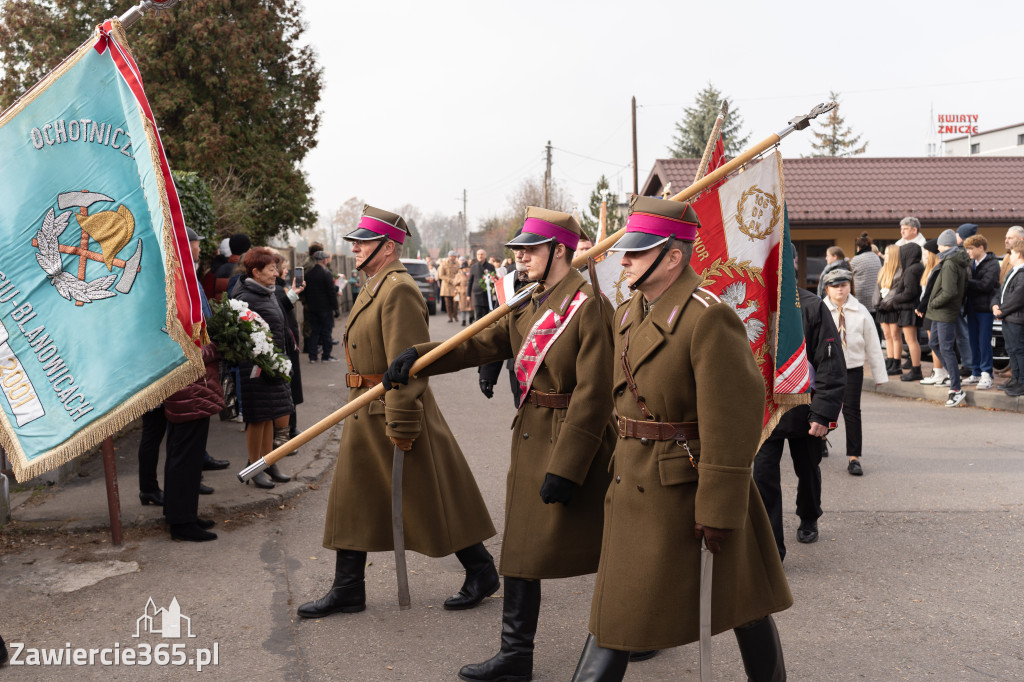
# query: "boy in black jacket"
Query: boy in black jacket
982,284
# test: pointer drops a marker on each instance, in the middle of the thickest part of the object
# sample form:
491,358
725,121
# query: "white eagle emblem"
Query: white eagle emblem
735,296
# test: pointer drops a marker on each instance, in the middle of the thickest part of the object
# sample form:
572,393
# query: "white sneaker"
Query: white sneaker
955,398
936,378
971,380
985,381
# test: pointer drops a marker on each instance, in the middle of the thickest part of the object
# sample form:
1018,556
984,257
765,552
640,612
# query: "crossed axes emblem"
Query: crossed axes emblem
111,229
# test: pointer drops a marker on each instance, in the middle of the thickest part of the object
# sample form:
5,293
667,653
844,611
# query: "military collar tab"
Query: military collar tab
373,283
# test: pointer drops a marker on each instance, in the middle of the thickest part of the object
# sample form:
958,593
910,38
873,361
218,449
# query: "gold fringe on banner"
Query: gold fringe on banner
153,395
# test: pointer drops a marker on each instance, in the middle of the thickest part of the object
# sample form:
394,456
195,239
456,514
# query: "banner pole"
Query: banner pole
113,495
129,18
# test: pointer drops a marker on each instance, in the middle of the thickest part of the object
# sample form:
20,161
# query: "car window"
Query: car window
416,269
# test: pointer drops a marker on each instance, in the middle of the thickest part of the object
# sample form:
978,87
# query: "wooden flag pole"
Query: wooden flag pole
377,391
797,123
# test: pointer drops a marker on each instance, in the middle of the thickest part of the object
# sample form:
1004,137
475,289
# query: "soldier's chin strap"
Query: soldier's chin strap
369,258
551,259
654,266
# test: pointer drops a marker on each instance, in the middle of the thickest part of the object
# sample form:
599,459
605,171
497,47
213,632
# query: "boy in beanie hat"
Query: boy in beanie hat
944,309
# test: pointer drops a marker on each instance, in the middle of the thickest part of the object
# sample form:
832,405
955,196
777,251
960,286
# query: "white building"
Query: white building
1005,141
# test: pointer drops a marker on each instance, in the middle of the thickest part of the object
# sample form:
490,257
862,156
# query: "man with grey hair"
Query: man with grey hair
910,231
1013,234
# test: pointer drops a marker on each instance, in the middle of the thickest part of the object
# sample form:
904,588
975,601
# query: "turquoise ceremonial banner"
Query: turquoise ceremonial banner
90,330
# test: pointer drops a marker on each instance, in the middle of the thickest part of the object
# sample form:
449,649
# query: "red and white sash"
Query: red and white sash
539,341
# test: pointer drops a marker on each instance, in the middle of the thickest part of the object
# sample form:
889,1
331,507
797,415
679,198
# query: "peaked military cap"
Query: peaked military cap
376,224
652,221
542,226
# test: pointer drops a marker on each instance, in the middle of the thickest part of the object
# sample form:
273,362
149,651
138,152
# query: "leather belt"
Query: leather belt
555,401
353,380
651,430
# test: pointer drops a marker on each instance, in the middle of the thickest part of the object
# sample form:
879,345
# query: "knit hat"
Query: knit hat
947,238
967,230
931,245
239,244
192,235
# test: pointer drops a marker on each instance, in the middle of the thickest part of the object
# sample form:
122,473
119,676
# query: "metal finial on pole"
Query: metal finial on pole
135,13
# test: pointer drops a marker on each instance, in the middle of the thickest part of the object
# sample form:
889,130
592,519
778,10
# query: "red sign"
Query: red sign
958,124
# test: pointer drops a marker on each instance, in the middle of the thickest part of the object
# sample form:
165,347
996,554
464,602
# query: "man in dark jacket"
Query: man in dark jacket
805,426
1009,307
321,307
944,309
480,295
982,284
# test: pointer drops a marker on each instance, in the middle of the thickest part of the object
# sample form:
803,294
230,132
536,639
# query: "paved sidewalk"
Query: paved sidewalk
993,398
81,503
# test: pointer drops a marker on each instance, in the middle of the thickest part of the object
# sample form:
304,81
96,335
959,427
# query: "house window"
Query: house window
1020,140
976,147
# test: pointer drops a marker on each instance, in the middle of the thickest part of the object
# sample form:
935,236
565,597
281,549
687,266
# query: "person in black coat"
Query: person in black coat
902,301
286,298
982,285
267,400
320,301
478,294
805,426
1008,306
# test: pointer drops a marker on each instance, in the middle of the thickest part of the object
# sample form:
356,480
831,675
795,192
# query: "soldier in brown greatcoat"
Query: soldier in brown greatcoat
685,383
563,433
444,511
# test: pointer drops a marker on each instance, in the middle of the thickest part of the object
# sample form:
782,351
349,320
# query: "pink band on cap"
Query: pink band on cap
556,232
661,226
381,227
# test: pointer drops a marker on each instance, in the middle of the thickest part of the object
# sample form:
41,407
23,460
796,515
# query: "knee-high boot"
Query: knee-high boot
481,578
761,650
514,661
598,664
280,438
293,430
347,594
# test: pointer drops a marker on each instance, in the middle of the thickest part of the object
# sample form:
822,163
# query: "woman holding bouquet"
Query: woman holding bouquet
267,398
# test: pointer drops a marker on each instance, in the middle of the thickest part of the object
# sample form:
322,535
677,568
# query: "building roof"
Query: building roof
986,132
859,190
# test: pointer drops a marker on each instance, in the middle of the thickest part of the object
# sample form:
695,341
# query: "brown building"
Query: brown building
832,201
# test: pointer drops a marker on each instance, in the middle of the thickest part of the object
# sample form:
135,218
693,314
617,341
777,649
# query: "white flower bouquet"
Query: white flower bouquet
242,336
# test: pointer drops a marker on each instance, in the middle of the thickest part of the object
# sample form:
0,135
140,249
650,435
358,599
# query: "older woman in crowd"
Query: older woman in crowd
267,400
860,345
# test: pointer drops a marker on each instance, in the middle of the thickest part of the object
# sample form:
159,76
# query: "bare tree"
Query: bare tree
530,192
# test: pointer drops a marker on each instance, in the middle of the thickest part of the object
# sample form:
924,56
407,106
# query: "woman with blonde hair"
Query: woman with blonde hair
889,318
939,375
899,308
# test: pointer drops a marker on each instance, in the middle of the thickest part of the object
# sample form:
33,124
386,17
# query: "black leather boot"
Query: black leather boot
481,578
348,593
514,661
761,650
598,664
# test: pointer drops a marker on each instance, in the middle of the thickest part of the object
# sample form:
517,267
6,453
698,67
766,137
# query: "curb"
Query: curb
991,399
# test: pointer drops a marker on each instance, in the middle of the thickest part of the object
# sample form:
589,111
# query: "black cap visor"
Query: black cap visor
361,234
638,241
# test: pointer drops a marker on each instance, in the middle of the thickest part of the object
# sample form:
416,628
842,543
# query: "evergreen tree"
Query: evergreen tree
693,131
591,219
232,88
835,138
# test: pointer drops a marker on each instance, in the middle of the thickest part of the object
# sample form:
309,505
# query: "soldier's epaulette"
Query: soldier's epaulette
706,297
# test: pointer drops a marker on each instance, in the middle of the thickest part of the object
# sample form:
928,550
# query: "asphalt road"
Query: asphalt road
917,575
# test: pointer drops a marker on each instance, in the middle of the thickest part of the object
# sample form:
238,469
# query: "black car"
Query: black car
420,272
1000,358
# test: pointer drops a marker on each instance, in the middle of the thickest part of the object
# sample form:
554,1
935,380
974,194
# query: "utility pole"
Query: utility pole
636,180
547,174
465,220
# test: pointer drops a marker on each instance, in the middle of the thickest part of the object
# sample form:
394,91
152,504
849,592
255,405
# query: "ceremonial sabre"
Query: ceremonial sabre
398,529
796,123
706,564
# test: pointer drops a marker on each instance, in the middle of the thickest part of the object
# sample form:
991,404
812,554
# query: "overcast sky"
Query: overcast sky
423,100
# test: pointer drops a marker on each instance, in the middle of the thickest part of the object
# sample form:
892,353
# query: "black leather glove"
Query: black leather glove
557,489
398,371
487,388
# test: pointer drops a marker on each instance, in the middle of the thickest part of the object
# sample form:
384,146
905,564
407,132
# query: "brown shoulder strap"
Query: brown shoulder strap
631,383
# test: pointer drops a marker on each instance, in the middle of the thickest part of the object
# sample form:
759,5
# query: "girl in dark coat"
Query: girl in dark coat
268,401
902,300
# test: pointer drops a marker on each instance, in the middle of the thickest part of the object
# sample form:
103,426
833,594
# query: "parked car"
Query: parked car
1000,359
420,272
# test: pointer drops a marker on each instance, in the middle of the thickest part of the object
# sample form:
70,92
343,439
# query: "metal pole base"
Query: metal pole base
251,470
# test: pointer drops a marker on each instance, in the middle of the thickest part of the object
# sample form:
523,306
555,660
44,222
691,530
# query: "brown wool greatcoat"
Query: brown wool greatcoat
692,362
446,272
553,540
442,505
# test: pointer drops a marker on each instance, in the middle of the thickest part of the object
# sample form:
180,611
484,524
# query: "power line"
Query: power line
589,158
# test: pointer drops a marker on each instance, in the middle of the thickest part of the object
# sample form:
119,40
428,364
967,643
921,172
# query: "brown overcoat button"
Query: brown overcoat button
525,436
